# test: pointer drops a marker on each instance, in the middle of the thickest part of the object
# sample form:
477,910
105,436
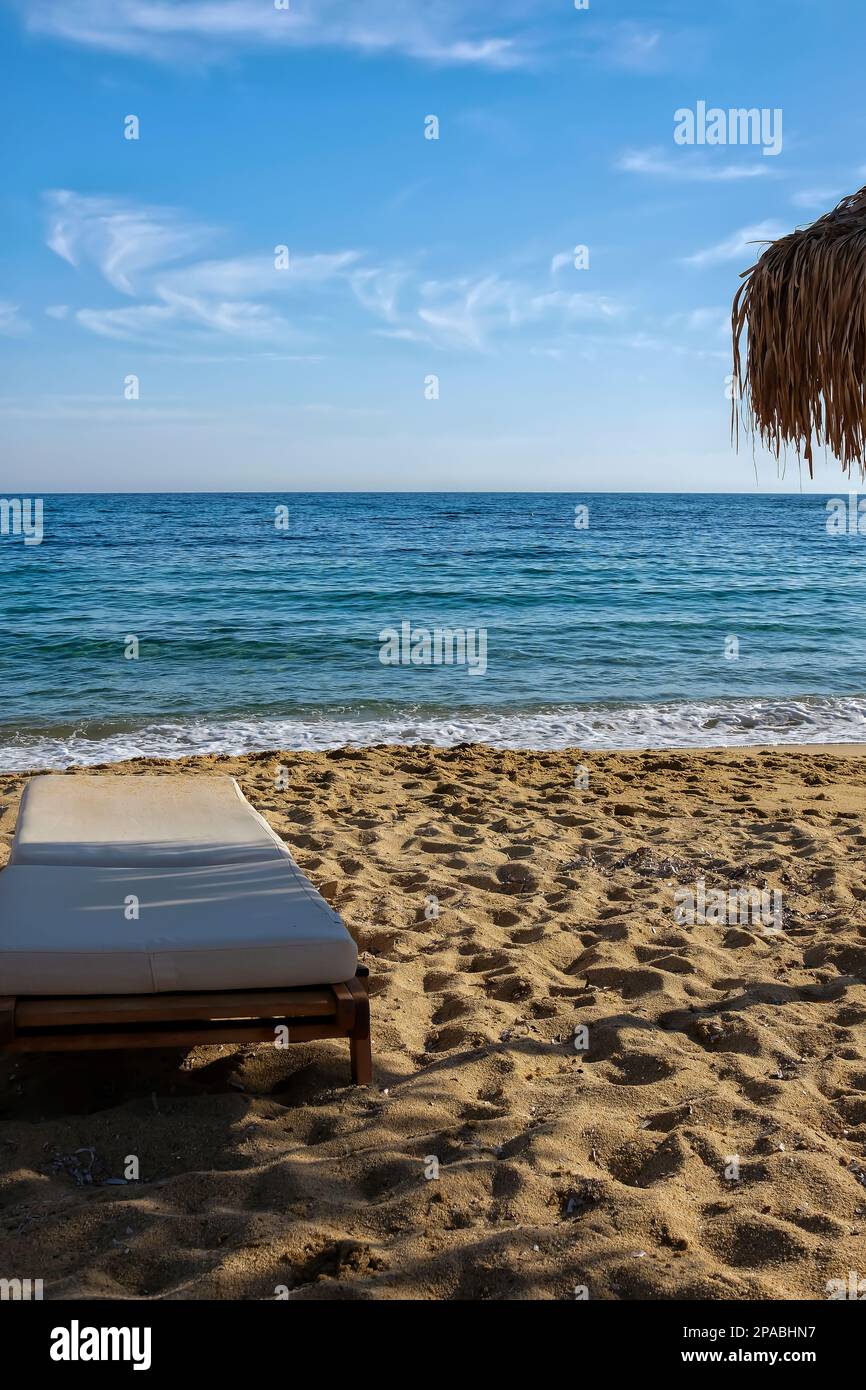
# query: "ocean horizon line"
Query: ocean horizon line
762,493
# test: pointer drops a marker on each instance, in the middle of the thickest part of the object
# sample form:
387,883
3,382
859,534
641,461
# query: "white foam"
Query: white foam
681,724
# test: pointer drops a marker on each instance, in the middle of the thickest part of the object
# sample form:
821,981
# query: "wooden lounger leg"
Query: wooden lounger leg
359,1038
7,1018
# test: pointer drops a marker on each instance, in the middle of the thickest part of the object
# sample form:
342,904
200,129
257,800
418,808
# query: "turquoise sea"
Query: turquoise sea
172,624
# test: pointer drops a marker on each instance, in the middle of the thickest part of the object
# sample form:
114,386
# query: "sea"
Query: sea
162,625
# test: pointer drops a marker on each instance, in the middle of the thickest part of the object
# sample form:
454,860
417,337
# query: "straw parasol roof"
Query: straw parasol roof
802,306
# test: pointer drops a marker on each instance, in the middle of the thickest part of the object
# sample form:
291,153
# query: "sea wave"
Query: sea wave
677,724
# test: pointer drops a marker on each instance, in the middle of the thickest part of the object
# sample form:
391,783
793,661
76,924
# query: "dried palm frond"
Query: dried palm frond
803,307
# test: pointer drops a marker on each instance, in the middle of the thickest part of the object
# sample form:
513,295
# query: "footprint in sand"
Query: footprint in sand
752,1240
312,842
468,832
447,1039
512,988
438,980
412,883
482,1110
673,964
504,917
379,942
631,984
451,1008
492,960
620,895
852,1109
526,935
485,882
516,878
641,1069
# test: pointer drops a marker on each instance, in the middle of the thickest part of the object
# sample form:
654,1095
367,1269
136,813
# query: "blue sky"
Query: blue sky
408,257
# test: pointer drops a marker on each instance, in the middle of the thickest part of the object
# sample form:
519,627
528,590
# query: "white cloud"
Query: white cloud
123,240
11,322
94,410
748,241
246,276
712,321
189,314
139,321
238,319
135,249
651,47
246,297
453,32
401,335
820,199
636,47
379,290
688,167
57,311
467,312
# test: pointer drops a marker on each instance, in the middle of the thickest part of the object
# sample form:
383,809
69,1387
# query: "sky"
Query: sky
428,323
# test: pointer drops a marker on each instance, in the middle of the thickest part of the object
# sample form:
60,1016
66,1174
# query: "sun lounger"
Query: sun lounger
164,912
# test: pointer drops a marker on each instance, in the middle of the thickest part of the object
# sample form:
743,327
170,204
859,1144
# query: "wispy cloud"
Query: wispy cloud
122,239
817,199
378,290
92,410
136,248
635,46
469,312
648,47
12,325
254,276
139,250
690,168
713,321
747,241
448,32
406,194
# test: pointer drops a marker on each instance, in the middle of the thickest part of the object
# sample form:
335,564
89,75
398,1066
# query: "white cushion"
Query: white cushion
208,899
135,821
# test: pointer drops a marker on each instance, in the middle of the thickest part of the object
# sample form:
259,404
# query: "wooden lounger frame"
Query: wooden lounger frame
102,1022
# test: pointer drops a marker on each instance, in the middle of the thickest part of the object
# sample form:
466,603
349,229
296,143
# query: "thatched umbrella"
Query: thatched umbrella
803,307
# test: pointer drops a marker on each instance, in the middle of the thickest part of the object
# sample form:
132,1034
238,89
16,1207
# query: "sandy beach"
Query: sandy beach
708,1142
